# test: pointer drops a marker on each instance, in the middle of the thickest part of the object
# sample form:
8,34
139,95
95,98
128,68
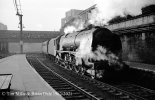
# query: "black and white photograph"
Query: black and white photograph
77,49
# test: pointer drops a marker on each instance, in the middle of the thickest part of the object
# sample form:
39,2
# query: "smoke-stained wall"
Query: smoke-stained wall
139,48
14,47
32,47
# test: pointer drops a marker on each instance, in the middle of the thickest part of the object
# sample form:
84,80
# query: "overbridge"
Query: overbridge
27,36
10,40
139,24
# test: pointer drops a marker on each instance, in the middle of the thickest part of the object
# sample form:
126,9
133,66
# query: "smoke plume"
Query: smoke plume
76,25
105,10
70,29
108,9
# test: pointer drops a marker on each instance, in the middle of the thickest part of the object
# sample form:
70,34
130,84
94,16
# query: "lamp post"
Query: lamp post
21,32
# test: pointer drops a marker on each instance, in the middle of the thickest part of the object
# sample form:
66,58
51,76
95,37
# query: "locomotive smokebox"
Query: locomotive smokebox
105,38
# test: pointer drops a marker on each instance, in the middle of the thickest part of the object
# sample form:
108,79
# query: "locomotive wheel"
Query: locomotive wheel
66,65
70,66
82,70
77,68
56,60
99,74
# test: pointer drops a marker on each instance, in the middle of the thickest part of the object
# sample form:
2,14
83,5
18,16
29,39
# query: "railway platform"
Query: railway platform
141,66
26,83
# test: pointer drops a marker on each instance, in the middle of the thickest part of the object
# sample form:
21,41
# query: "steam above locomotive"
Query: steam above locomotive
94,50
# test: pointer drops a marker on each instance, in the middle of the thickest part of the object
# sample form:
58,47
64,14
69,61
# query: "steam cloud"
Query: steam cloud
77,24
107,9
70,29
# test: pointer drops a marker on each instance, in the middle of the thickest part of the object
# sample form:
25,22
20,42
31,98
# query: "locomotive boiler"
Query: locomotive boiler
93,51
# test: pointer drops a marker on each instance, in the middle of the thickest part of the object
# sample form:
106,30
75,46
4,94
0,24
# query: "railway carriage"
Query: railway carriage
44,47
51,47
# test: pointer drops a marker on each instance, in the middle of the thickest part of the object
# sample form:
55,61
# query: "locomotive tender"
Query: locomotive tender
94,51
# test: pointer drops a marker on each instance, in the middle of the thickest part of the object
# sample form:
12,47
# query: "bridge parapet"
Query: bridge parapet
134,23
12,35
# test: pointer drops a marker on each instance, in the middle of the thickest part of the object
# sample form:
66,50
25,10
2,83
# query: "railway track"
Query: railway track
119,92
67,89
138,90
124,90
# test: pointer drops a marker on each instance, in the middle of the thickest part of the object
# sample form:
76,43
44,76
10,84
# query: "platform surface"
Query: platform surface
142,66
26,83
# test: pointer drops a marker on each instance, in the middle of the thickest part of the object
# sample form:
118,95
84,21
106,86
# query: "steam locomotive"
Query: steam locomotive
94,51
